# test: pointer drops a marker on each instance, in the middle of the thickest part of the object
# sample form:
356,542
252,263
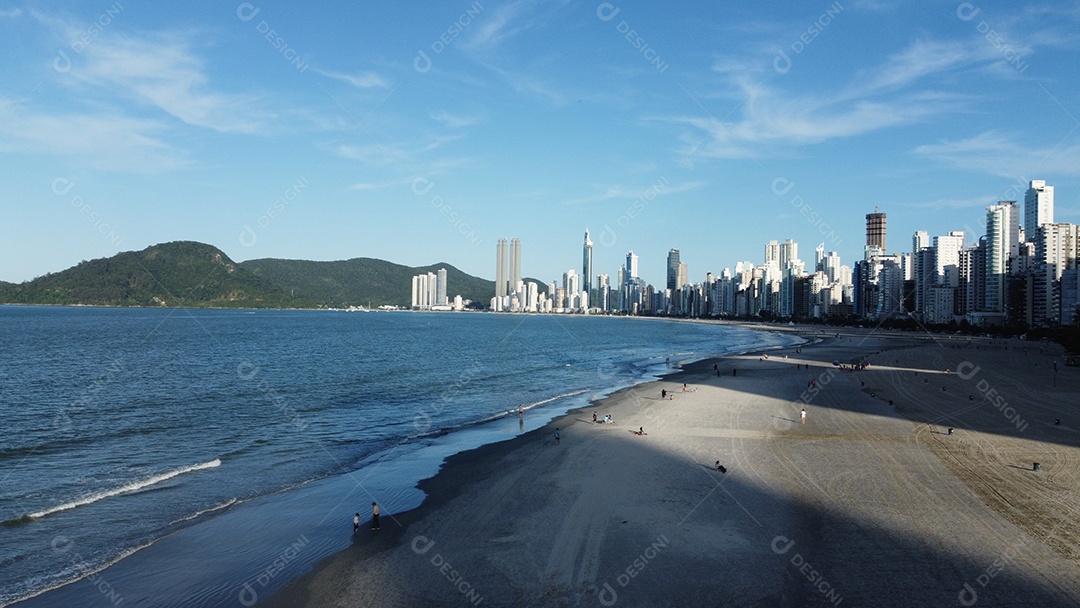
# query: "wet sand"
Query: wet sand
866,504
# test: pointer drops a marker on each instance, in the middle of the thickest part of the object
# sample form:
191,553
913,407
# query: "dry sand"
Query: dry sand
867,504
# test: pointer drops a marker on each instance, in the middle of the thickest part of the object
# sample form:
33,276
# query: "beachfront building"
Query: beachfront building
514,277
440,288
831,267
429,291
890,287
971,293
586,265
501,272
1038,207
1057,247
602,301
922,266
508,286
1002,248
673,270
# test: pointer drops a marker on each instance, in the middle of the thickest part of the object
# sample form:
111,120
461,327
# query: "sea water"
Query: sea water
203,457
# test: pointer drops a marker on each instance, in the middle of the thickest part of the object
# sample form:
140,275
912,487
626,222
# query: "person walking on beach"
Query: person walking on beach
804,415
663,393
374,516
594,417
356,523
556,436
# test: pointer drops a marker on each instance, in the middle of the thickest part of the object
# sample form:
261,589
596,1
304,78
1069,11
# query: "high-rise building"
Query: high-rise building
586,264
501,271
922,268
603,293
515,265
830,265
440,291
631,266
947,258
683,277
819,257
1002,246
789,250
571,282
973,278
1057,247
429,290
1038,207
673,270
772,253
875,230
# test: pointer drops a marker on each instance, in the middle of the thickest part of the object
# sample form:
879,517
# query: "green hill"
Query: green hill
181,273
363,281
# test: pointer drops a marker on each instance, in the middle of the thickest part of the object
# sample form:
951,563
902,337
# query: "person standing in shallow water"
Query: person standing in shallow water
356,523
374,516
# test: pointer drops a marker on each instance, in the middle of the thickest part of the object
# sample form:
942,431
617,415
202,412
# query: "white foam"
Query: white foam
227,503
131,487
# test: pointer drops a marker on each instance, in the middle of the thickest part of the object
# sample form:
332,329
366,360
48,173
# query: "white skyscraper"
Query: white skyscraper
789,250
947,255
772,253
631,266
1057,249
1002,245
432,289
515,265
440,295
1038,207
501,272
586,264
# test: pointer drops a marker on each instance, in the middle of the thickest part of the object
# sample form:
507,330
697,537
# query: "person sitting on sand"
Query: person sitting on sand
720,467
684,387
641,431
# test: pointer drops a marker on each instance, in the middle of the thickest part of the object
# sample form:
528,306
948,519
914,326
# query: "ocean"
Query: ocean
204,457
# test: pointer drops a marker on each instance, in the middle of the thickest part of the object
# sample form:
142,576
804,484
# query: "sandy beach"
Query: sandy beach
871,502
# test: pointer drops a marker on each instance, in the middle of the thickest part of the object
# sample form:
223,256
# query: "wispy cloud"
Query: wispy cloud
108,142
769,120
604,193
408,155
998,154
507,21
372,186
971,202
10,13
360,80
454,121
162,71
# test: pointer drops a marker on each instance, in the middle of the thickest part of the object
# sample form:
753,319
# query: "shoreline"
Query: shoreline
442,488
496,514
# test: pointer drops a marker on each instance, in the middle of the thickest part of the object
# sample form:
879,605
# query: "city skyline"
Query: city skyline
316,133
1008,275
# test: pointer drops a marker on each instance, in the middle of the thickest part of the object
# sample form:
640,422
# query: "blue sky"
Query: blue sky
420,134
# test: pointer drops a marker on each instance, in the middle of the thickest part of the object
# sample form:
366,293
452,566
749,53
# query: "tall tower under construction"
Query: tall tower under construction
875,230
